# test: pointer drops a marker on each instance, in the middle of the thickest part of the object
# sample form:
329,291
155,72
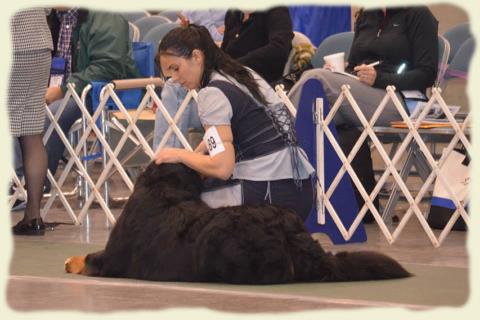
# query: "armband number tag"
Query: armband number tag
213,142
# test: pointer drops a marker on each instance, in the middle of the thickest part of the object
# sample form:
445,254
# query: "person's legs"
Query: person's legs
346,120
55,146
172,96
282,193
35,164
367,98
362,165
21,201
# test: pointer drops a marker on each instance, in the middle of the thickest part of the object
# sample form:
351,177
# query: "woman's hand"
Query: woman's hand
169,155
183,20
366,74
53,94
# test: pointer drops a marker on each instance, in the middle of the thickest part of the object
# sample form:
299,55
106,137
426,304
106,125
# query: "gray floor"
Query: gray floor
36,292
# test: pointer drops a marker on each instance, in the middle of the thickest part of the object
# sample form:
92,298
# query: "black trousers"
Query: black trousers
362,164
281,193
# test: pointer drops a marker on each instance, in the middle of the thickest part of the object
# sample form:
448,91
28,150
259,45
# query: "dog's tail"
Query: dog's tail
364,265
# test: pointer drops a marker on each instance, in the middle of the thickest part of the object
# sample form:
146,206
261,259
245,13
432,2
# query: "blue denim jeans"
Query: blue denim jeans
172,96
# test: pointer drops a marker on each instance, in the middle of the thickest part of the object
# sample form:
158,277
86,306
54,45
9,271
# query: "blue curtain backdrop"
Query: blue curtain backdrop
318,22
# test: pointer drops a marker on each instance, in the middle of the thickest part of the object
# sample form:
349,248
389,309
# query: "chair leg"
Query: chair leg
389,210
421,164
106,134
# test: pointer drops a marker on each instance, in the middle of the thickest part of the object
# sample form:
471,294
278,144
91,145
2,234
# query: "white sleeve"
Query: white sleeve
214,107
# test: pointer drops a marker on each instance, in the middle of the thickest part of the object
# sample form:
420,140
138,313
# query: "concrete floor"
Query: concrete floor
33,293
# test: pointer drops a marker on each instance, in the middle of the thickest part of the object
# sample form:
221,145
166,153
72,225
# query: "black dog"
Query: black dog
166,233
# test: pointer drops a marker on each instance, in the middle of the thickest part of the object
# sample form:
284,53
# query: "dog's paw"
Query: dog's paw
75,264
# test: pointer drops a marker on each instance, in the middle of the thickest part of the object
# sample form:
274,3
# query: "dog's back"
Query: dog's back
167,233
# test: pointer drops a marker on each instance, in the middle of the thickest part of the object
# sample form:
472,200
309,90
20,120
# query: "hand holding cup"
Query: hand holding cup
335,62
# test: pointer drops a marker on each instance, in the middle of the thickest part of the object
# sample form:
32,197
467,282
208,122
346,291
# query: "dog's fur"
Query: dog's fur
166,233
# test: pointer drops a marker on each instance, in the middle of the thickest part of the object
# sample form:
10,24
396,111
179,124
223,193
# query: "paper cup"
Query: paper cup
336,61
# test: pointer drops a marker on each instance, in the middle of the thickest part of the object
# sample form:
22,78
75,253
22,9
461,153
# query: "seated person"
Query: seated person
395,37
96,47
213,20
260,40
400,38
250,134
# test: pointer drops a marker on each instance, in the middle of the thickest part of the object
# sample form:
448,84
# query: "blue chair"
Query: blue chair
143,55
339,42
135,15
457,35
145,24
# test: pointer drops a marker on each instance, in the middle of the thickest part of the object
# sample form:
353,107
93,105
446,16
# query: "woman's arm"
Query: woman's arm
219,166
201,148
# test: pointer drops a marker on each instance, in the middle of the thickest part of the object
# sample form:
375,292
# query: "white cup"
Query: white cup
336,61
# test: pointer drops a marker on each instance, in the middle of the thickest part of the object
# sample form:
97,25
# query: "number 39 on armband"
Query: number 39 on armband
213,141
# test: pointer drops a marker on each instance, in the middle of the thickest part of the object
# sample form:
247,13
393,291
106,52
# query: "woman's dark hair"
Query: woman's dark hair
181,42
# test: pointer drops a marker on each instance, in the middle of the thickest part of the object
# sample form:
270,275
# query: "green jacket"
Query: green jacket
101,50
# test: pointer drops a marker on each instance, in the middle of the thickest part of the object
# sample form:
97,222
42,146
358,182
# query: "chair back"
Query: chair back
146,24
458,68
339,42
443,56
133,32
135,15
456,36
170,14
156,34
143,55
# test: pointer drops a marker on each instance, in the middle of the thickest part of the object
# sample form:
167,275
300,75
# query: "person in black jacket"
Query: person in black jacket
260,40
405,42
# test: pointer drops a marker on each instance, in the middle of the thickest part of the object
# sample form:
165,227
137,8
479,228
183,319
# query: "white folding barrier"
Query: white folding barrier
91,126
109,92
412,136
55,186
132,132
18,189
75,153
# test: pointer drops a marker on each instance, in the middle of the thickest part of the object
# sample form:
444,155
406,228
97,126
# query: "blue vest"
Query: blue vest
254,133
